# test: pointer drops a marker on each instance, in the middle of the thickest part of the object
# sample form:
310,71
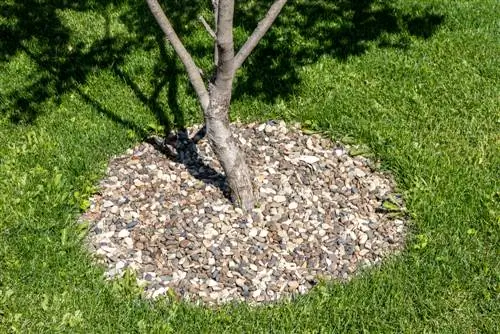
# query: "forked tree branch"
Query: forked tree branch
191,68
258,33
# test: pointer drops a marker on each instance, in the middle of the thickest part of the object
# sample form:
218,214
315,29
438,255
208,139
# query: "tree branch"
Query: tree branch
207,26
258,33
191,68
215,4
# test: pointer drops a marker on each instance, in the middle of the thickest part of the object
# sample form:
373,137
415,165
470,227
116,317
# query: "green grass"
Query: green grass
415,81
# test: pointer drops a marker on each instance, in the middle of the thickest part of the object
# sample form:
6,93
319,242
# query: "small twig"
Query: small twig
207,27
298,178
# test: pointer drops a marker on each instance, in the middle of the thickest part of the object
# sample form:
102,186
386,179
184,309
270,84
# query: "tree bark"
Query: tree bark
219,135
227,149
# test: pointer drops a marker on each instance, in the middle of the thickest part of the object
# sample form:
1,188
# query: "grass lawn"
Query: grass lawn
416,82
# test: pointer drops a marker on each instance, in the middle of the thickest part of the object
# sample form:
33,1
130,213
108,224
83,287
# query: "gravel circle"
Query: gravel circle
162,211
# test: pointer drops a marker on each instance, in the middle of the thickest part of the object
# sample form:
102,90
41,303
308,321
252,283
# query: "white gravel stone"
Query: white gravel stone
120,265
363,237
363,252
310,159
159,292
279,198
108,249
253,232
212,283
128,242
123,233
256,293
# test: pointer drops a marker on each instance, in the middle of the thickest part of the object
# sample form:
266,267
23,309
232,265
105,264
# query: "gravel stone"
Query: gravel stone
123,233
279,198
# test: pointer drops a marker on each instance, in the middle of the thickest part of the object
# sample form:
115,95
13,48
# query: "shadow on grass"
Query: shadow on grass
310,29
35,28
304,32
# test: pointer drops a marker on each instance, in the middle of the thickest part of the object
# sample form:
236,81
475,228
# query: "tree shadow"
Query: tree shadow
36,29
306,31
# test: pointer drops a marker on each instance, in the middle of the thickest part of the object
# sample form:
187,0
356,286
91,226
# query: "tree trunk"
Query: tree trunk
227,149
215,103
217,114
